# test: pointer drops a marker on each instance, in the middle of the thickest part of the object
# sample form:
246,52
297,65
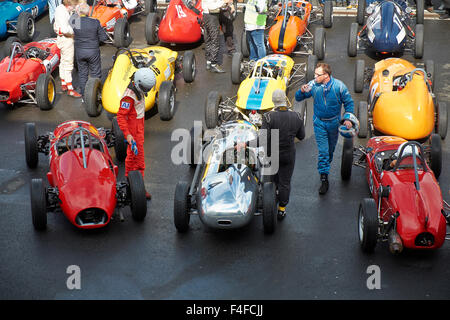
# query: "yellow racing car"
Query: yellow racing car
401,100
164,62
254,96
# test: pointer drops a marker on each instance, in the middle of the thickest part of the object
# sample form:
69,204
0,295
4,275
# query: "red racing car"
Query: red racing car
406,208
82,177
181,23
25,74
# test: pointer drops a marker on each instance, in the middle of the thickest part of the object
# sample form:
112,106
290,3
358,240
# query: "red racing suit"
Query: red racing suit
131,121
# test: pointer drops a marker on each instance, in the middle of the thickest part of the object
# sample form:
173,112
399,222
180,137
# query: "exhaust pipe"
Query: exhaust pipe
395,242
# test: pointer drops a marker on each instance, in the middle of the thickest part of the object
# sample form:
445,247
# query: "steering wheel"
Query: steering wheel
33,52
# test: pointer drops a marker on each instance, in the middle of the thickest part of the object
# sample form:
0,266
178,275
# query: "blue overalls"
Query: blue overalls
328,100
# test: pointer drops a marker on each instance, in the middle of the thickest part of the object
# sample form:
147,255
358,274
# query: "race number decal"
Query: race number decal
35,11
180,11
167,72
125,105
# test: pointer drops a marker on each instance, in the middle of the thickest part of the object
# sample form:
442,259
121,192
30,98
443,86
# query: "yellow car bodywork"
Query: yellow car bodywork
255,92
120,74
406,112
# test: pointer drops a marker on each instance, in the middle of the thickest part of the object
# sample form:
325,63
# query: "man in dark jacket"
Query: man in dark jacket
88,34
290,126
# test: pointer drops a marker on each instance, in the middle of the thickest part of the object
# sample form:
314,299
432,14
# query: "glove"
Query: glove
134,148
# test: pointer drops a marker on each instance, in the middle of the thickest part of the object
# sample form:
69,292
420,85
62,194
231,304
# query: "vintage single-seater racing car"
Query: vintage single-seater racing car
181,23
164,62
26,74
401,100
406,207
389,30
17,17
254,96
227,188
83,181
114,14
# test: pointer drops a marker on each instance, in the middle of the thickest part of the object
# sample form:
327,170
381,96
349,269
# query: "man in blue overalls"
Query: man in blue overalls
329,94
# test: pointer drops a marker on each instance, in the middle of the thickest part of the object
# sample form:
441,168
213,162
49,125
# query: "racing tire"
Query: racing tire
311,67
442,119
269,207
181,207
212,109
244,45
361,12
138,202
25,26
328,14
31,147
363,117
420,7
166,101
151,28
45,91
436,154
7,47
120,146
150,6
418,42
352,47
301,108
358,85
319,43
189,66
347,159
122,36
92,97
38,204
236,72
368,225
429,68
195,151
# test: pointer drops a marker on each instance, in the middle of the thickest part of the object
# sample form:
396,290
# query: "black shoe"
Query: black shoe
324,186
216,68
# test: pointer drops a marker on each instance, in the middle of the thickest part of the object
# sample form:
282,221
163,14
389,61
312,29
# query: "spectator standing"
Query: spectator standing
226,18
255,22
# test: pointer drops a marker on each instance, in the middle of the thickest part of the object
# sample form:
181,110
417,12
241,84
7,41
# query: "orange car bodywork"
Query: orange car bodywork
108,15
295,27
406,112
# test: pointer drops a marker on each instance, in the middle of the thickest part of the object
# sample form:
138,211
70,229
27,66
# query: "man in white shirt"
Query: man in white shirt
255,22
64,41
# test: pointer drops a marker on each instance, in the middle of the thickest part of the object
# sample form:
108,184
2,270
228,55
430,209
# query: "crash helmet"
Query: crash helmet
144,79
407,151
129,4
353,131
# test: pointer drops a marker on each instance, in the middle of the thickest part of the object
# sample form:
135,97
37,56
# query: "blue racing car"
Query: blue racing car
17,16
389,30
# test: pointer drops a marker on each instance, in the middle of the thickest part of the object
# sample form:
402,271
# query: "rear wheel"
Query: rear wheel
138,203
122,36
93,97
319,43
150,6
269,207
363,117
212,109
311,67
151,28
189,66
429,68
244,45
418,42
25,26
347,159
352,47
196,147
301,108
359,76
45,91
236,72
368,225
120,146
7,47
166,101
436,155
420,7
361,12
328,14
31,148
38,204
181,207
442,119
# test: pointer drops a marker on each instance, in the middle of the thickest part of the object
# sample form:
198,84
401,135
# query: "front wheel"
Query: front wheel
269,207
368,225
150,6
189,66
25,26
418,42
38,204
120,146
363,117
212,109
45,91
138,202
93,98
181,207
31,148
244,45
442,119
328,14
347,159
311,67
151,28
236,71
352,46
359,76
361,12
122,36
166,101
436,155
319,43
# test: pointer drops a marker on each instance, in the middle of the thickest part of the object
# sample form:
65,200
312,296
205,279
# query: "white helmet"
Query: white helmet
407,151
129,4
144,79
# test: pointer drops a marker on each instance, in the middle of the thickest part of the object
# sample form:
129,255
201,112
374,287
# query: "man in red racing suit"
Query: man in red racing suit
130,118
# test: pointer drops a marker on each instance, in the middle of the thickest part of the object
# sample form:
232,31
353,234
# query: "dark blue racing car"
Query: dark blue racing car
390,28
17,16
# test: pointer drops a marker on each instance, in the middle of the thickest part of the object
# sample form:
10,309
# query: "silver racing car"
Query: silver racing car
227,189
